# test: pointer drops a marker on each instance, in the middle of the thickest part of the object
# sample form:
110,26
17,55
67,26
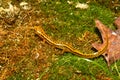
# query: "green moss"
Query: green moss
73,65
68,19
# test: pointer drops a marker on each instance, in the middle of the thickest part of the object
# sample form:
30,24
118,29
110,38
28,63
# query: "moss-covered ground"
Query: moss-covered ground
25,56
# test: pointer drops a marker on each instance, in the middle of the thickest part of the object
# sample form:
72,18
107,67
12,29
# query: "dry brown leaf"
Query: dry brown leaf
112,53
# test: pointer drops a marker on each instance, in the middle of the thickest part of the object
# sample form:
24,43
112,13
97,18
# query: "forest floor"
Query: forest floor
26,56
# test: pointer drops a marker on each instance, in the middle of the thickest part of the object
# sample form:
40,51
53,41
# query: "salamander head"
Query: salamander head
36,28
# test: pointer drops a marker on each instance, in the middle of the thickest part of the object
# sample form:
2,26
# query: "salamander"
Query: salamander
41,33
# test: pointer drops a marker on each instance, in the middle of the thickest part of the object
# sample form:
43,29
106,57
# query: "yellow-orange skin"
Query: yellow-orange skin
41,33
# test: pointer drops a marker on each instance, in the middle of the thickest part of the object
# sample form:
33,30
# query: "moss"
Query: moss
24,55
